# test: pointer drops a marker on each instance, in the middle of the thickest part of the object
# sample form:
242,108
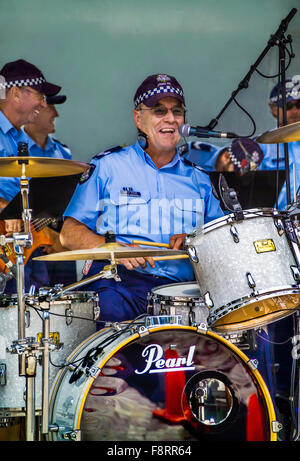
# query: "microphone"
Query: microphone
186,130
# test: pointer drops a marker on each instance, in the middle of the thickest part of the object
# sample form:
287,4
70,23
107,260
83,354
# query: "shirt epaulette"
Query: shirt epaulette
109,151
199,145
61,143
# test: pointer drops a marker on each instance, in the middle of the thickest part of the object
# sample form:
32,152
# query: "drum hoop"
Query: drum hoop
257,296
154,329
181,298
230,219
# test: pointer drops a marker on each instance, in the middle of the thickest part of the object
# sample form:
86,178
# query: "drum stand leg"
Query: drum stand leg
297,381
30,397
45,369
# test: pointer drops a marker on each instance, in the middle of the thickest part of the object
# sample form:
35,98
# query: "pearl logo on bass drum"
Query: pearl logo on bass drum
155,363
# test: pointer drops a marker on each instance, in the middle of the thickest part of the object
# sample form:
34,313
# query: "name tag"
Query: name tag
129,192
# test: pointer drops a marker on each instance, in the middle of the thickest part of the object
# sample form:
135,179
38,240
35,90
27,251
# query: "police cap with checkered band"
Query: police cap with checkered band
22,73
156,87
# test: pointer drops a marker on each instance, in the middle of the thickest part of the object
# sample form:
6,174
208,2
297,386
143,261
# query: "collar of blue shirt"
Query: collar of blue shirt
149,160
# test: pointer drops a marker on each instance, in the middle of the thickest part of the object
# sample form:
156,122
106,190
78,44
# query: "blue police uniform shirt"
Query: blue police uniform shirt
270,163
202,154
126,193
9,139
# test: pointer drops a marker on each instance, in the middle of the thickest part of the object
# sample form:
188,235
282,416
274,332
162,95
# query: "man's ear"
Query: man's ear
137,118
273,109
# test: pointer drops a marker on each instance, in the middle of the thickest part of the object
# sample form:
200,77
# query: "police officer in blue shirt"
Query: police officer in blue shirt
42,143
281,332
272,160
23,90
145,191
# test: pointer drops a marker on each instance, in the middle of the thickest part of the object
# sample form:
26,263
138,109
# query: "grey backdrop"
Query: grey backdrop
100,50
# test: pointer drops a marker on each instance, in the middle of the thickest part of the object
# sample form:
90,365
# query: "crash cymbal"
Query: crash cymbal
40,167
103,253
288,133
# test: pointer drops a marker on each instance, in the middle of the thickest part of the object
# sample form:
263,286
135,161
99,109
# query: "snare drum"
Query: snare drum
182,299
165,382
246,271
72,319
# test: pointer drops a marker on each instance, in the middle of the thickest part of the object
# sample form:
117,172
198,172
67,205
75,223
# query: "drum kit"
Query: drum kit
178,372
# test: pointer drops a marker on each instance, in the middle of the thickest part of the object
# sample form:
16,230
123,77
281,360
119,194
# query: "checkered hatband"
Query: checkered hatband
158,90
22,82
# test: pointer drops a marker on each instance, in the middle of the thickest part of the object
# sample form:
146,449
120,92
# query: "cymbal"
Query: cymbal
288,133
40,167
104,253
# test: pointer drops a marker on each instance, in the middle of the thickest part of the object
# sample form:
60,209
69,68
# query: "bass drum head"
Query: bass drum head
175,383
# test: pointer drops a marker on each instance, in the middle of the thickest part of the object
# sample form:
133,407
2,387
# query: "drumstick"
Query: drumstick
153,244
162,258
156,244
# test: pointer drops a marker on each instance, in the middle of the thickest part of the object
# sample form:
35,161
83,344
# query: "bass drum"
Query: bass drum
132,382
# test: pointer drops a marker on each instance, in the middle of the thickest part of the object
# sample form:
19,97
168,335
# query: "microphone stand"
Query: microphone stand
277,39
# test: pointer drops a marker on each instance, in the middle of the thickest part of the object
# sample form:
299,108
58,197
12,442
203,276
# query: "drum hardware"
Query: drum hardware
234,233
229,199
154,320
251,282
2,374
264,255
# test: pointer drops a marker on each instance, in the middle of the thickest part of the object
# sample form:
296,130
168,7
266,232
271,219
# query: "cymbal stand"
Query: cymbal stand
26,348
108,272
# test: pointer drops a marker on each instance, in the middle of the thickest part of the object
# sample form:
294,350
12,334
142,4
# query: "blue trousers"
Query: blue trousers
124,300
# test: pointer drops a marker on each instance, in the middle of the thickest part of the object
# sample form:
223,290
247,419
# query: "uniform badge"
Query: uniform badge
87,174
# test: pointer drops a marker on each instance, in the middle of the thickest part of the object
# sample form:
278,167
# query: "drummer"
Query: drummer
292,94
23,90
145,191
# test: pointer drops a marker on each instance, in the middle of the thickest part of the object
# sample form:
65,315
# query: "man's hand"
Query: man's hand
134,263
12,226
176,241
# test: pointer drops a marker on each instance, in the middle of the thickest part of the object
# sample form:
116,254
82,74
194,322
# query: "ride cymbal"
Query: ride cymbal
103,253
39,167
288,133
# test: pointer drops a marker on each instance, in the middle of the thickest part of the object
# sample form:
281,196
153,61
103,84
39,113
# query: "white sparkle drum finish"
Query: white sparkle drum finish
132,382
72,319
245,270
182,299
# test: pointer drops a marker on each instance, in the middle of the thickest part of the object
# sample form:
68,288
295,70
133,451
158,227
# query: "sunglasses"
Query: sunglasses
291,104
161,111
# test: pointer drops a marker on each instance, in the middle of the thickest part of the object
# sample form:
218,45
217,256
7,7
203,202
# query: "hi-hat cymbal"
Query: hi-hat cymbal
40,167
288,133
104,253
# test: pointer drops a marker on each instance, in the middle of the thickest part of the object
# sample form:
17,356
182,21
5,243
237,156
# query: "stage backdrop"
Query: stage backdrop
100,50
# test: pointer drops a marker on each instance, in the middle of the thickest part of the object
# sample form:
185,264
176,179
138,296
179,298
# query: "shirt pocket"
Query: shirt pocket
128,213
188,214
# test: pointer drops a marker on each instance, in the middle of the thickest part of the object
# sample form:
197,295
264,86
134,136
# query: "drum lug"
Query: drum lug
296,273
92,371
72,435
279,226
276,426
69,314
202,328
193,255
251,281
143,331
2,374
234,233
207,299
253,363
